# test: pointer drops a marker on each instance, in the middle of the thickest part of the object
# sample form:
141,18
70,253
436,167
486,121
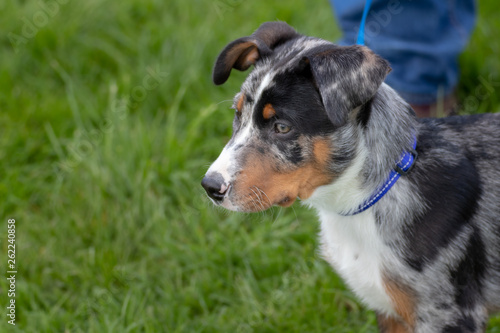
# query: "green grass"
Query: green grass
101,166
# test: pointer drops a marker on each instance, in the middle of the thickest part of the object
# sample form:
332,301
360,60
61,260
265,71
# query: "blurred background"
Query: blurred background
109,120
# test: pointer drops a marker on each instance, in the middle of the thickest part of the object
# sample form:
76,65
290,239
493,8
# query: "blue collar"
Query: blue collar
402,168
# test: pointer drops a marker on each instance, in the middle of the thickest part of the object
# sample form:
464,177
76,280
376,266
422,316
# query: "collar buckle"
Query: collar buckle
411,156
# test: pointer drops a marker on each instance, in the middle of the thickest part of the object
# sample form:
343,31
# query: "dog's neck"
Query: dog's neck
389,128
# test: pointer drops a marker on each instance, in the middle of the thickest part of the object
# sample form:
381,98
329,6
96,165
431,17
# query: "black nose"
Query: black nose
215,187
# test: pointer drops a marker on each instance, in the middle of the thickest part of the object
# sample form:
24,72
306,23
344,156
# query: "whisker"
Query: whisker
269,200
226,100
278,215
257,198
259,191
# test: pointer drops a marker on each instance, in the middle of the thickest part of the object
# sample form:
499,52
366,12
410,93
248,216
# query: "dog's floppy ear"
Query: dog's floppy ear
346,77
245,51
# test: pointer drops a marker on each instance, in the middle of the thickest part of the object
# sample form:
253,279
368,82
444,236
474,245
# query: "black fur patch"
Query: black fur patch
363,115
464,325
468,276
452,191
295,99
294,154
297,103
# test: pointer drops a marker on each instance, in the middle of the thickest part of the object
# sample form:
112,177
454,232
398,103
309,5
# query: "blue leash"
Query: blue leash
361,32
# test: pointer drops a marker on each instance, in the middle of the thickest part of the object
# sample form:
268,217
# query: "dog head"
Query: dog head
289,115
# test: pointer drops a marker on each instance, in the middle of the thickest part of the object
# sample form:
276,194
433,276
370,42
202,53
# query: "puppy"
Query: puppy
409,208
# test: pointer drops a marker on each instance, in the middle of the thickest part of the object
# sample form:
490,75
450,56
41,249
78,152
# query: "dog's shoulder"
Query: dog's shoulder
476,136
466,124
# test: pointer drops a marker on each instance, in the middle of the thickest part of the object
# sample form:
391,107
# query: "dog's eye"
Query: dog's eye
281,128
237,113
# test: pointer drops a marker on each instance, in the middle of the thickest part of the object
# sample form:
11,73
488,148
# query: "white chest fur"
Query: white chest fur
352,245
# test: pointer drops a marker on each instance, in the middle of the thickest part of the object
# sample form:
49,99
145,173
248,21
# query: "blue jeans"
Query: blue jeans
422,40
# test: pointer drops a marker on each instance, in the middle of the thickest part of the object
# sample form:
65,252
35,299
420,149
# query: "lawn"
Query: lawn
109,121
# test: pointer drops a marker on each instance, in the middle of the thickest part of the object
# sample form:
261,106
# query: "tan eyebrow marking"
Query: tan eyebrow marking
239,105
268,111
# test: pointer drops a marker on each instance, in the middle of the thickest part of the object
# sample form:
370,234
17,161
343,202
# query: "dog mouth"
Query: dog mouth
254,199
253,182
287,201
242,198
